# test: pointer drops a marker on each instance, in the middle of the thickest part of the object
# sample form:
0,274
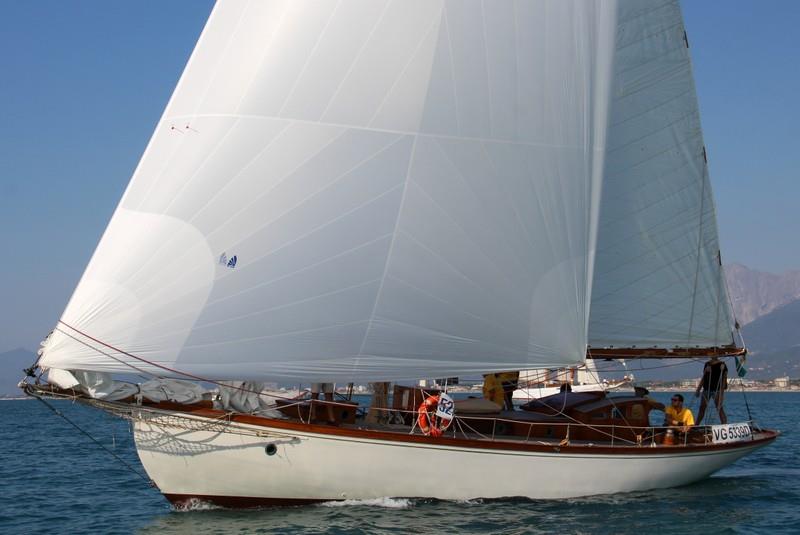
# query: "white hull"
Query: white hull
317,466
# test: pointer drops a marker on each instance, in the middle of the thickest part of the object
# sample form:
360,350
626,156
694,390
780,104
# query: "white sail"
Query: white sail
658,279
360,190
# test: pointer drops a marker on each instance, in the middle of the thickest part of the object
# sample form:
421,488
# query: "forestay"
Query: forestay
658,279
360,190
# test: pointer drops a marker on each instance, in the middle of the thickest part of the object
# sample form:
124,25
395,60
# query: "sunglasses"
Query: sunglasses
675,399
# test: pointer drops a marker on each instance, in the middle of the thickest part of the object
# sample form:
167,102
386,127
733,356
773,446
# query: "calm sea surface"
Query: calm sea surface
55,480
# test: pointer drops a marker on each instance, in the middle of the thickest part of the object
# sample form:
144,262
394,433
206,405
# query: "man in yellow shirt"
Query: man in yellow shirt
676,415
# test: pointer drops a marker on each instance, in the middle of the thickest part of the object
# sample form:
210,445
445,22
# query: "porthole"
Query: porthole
271,449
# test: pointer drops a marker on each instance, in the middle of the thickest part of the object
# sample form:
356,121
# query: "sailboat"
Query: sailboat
535,384
391,190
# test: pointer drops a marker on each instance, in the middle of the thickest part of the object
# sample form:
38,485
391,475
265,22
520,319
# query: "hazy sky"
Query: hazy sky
83,83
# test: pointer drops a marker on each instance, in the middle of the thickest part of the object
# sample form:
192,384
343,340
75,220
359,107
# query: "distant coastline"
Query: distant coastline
730,390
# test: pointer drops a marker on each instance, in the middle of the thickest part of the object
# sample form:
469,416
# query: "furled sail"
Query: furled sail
360,190
658,279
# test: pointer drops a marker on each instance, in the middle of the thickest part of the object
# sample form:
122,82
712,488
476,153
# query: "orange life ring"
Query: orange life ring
428,423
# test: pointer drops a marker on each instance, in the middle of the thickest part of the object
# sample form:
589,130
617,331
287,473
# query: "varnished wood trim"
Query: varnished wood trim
765,437
663,353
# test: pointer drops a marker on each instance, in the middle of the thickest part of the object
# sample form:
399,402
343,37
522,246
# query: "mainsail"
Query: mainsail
361,190
658,277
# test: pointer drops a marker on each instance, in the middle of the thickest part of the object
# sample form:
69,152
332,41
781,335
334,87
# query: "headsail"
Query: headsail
408,188
658,279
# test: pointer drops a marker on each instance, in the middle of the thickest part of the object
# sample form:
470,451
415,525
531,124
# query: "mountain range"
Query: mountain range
755,293
768,308
773,341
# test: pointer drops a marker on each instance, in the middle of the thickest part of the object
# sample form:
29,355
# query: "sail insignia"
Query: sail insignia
227,262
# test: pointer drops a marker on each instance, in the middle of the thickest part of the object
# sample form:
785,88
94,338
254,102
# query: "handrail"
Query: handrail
644,435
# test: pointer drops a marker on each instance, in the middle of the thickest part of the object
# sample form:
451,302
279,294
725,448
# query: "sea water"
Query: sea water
56,480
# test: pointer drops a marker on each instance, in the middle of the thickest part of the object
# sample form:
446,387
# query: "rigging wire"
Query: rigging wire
241,388
744,345
100,444
156,365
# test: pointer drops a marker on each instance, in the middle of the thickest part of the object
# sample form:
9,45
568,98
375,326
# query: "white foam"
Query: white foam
195,504
388,503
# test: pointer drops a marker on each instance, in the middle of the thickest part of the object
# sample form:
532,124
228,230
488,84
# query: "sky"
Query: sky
83,83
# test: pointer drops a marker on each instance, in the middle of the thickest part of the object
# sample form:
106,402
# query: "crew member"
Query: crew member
713,384
676,415
493,389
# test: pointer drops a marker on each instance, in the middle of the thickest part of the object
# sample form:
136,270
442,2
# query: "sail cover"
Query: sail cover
658,279
360,190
